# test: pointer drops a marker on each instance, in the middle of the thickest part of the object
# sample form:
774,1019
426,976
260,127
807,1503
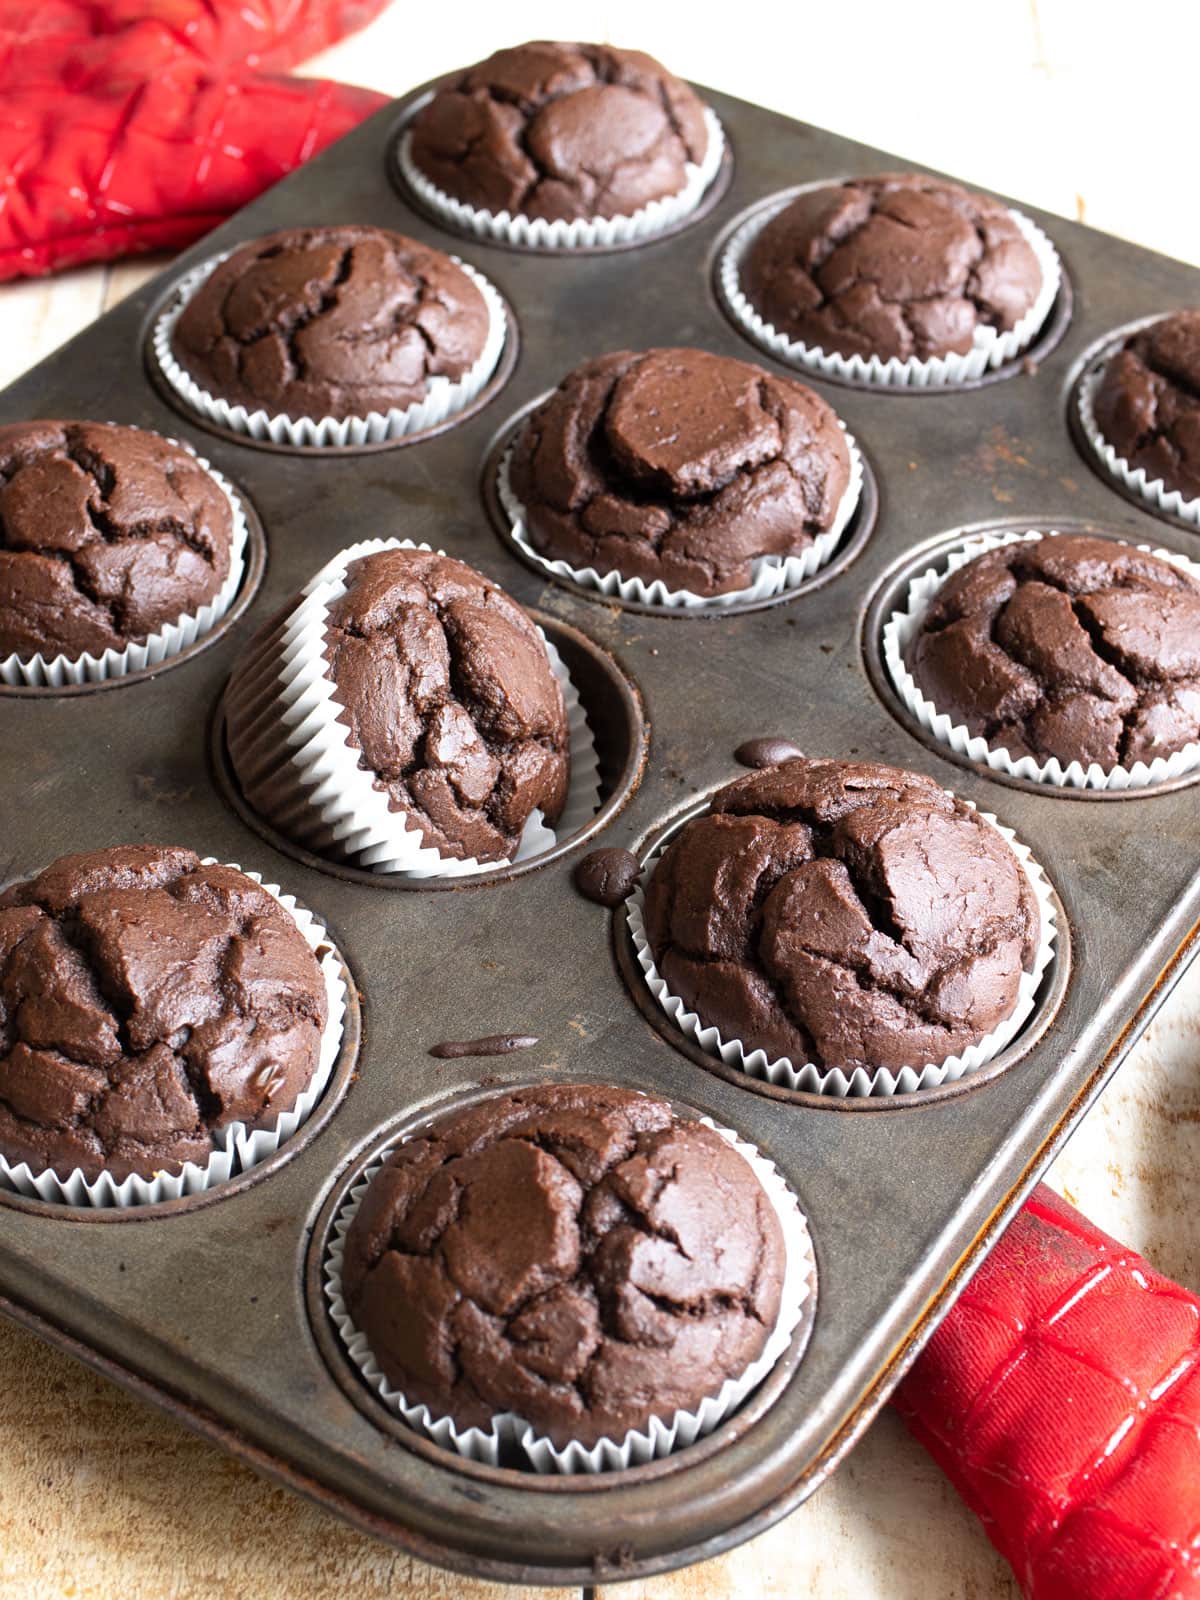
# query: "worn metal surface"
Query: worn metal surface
204,1307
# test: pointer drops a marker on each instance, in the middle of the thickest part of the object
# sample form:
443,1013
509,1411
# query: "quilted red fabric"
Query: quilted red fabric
130,126
1062,1398
68,44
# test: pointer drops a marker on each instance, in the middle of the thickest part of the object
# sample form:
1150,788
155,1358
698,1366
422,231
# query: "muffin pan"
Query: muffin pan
212,1306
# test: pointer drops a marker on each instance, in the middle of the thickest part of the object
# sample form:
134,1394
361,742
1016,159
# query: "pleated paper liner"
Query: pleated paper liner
903,627
1152,490
443,399
664,1435
61,671
505,227
772,575
236,1148
288,744
814,1079
991,348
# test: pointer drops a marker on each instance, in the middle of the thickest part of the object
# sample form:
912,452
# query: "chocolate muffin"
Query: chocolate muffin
1147,404
448,694
895,267
843,914
1068,647
577,1255
561,131
678,465
107,535
331,322
146,1002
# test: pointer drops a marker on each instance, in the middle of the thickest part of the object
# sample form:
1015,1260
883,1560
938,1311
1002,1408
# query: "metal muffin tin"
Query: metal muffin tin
212,1307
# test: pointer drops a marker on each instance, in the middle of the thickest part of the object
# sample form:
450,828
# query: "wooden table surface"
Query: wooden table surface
1044,99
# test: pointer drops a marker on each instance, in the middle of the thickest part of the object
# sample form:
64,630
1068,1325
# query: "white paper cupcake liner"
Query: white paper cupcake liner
903,627
991,348
236,1148
443,399
506,228
860,1083
36,672
340,801
663,1435
772,575
1152,490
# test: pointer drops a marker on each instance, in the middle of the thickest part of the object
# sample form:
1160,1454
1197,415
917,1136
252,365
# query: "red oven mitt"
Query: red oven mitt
1061,1396
134,125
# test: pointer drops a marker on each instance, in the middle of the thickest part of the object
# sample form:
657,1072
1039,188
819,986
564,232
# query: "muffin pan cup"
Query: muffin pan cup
663,1435
213,1305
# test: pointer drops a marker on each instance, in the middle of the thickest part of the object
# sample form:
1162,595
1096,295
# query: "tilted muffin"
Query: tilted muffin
107,535
146,1002
1147,405
678,465
448,696
333,321
577,1255
562,132
1073,648
897,266
844,914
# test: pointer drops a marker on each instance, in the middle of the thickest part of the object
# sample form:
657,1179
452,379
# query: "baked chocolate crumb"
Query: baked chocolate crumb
491,1044
767,751
607,876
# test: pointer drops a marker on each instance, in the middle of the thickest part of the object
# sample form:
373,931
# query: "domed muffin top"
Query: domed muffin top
843,914
678,465
107,535
331,322
897,266
562,132
147,1001
1147,405
1070,647
577,1255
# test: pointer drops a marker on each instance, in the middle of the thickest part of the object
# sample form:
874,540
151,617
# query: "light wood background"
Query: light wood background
1080,106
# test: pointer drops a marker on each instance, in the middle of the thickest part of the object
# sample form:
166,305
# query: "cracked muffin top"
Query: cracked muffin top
107,535
895,266
678,465
844,914
576,1255
147,1001
331,322
561,131
1070,647
447,692
1147,404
